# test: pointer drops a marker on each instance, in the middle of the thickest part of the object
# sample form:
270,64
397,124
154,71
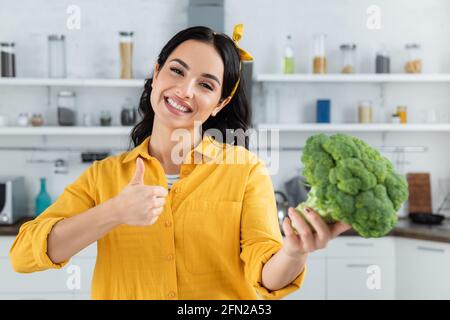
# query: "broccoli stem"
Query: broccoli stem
313,202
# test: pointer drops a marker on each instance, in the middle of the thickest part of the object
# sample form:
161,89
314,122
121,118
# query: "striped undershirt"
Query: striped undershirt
171,179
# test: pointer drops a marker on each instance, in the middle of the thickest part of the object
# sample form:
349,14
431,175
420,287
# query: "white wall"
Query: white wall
93,52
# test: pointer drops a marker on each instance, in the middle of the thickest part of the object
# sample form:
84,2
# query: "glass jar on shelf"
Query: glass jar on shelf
348,51
23,119
126,54
402,114
288,65
37,120
8,59
365,111
320,59
128,113
105,118
56,56
88,120
395,118
66,108
382,61
414,61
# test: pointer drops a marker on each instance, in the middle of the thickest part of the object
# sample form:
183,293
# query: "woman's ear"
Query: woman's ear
220,106
155,72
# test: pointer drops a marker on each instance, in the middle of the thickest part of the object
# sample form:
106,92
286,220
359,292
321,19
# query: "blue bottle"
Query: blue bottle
43,200
323,111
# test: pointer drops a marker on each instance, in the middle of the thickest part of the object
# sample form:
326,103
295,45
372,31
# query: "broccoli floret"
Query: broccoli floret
352,182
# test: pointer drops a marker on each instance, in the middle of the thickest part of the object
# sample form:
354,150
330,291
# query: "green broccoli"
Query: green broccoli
352,182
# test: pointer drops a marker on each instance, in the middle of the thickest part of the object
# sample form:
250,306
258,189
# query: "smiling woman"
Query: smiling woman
190,80
214,234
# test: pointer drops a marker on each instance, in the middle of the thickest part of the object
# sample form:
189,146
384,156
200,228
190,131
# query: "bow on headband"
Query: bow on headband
237,35
238,31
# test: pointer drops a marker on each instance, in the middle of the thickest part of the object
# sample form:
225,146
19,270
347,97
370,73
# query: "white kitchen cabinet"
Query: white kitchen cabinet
68,283
354,246
84,268
361,278
44,281
314,285
351,268
359,268
37,296
423,269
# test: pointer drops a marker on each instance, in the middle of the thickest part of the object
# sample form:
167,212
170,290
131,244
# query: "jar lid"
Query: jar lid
348,46
66,94
412,46
126,33
56,37
365,103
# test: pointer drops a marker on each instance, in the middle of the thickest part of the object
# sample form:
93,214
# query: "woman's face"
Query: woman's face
189,85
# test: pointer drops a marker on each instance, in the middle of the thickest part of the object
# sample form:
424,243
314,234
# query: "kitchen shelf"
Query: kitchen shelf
283,127
355,127
73,82
300,77
64,131
354,78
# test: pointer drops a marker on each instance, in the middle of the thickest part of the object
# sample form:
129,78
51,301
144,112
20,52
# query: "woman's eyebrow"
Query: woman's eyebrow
206,75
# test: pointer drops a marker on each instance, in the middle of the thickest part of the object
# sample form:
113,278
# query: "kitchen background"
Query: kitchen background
284,102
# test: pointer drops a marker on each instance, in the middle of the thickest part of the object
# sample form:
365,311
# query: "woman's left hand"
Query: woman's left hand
305,240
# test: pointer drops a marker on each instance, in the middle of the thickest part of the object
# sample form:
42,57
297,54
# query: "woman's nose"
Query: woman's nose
186,89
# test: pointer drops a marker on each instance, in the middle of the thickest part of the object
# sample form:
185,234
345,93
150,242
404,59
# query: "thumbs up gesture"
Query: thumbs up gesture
139,204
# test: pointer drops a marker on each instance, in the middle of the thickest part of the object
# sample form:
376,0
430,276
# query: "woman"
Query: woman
215,233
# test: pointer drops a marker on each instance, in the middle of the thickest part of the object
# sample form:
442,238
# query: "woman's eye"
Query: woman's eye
207,86
176,70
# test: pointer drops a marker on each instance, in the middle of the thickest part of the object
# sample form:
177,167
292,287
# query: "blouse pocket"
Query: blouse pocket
211,235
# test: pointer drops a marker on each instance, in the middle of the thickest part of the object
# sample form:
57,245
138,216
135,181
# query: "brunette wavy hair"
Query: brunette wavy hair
235,115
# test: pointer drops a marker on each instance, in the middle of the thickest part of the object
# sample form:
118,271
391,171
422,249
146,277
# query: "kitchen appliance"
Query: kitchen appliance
208,13
282,208
211,13
12,199
93,156
296,190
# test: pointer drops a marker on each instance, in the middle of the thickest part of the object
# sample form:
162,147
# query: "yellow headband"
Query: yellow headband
244,55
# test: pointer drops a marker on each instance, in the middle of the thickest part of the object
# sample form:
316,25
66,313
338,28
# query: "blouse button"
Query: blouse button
171,294
177,190
168,224
170,257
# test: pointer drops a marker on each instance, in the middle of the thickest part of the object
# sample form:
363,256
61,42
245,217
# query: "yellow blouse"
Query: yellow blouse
218,228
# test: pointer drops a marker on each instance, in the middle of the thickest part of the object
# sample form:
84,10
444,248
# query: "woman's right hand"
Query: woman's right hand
139,204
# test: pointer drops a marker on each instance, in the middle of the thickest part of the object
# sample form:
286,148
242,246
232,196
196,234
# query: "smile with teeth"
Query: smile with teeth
178,107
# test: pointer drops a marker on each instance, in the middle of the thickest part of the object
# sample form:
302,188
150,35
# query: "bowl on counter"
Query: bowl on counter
426,218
